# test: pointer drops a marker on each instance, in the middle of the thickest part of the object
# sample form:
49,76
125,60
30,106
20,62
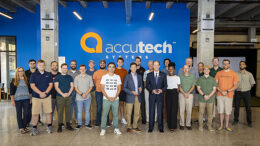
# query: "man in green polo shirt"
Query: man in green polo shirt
216,68
206,86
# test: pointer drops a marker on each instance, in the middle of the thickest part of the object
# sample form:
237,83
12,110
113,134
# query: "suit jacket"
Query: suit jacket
129,86
151,83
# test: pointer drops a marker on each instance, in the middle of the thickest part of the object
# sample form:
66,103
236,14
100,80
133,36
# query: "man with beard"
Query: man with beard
73,72
97,76
243,92
216,68
32,69
227,81
54,72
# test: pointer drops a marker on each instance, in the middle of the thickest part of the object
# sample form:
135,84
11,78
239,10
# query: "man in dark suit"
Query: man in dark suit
156,83
133,85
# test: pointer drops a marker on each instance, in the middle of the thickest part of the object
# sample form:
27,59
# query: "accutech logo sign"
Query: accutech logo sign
124,48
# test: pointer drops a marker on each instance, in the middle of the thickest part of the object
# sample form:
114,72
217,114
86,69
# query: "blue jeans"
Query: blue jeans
22,113
74,105
86,103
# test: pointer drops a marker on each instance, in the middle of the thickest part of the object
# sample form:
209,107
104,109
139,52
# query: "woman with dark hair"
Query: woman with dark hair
21,99
173,86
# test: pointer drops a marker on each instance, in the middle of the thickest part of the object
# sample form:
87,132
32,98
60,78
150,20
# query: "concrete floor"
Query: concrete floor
242,135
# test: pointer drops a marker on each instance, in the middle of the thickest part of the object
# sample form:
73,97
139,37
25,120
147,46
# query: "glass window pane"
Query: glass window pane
3,68
12,67
2,44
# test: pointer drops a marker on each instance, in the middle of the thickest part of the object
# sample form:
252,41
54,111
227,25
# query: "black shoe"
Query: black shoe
161,130
182,127
89,126
235,123
150,130
68,126
143,122
62,125
250,125
78,127
189,127
97,126
109,124
59,129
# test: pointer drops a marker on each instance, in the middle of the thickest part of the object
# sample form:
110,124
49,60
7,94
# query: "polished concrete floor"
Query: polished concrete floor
242,135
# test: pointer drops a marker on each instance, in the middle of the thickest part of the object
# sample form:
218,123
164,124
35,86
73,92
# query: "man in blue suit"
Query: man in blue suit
133,86
156,83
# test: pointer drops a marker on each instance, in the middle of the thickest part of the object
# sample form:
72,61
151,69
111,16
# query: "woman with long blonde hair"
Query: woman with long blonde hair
21,99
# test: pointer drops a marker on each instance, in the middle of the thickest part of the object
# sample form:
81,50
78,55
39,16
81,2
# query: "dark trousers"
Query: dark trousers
172,101
99,100
22,113
246,96
64,103
143,112
155,99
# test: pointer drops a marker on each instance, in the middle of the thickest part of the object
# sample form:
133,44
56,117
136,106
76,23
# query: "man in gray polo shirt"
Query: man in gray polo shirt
83,86
73,72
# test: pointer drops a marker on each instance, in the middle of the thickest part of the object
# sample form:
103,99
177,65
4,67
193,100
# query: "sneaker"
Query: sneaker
62,125
136,130
103,132
89,126
59,129
116,131
220,129
97,126
210,129
189,127
78,127
229,129
49,129
123,121
34,132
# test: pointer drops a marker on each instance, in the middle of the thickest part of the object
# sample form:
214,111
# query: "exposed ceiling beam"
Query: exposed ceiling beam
105,4
25,5
249,14
189,5
169,5
128,10
223,8
148,4
225,24
63,3
83,3
7,6
257,17
238,10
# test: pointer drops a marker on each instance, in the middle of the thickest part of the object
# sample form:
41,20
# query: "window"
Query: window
8,57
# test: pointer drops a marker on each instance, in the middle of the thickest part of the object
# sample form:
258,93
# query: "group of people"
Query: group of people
135,94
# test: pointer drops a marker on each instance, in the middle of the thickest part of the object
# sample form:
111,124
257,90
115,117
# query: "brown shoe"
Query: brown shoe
171,130
136,130
129,130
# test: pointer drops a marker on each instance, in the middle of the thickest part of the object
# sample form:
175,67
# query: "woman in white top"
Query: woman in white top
173,86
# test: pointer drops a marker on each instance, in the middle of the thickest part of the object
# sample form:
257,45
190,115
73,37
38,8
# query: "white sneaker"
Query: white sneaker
123,121
103,132
116,131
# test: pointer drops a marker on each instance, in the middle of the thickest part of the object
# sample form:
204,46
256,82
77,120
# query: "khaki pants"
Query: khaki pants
185,105
129,108
209,108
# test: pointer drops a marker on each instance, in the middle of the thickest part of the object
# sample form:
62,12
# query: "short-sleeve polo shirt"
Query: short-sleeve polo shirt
41,81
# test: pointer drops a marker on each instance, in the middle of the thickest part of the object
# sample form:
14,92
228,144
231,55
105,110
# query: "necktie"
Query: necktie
156,78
